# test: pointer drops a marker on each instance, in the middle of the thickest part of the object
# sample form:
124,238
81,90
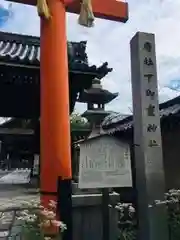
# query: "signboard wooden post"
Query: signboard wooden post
150,181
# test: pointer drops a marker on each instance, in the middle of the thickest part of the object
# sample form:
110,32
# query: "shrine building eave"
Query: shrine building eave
20,74
24,51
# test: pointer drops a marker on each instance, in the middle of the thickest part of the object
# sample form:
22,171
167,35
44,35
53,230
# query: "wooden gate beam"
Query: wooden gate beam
113,10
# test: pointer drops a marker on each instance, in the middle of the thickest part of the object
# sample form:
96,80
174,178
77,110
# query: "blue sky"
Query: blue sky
109,41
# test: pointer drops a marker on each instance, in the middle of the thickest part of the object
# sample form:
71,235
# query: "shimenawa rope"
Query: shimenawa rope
43,9
86,17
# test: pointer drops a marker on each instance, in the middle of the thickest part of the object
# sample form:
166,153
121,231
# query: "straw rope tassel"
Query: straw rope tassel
86,17
43,9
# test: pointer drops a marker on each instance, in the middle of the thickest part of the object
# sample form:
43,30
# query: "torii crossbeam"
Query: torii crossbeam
115,10
55,125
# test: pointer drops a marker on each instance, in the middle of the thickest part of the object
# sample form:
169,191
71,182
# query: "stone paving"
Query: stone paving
13,194
10,202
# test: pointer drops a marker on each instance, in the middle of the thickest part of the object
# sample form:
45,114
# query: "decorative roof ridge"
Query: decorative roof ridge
104,70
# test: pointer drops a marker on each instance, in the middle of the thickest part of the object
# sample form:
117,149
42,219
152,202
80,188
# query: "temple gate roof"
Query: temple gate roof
25,50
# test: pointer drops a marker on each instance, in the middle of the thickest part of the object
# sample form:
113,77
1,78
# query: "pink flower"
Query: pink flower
56,223
52,204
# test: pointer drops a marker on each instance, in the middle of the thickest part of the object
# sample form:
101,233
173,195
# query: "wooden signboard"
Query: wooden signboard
104,163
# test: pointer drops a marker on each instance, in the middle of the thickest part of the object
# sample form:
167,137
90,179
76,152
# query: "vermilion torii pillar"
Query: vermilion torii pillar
55,126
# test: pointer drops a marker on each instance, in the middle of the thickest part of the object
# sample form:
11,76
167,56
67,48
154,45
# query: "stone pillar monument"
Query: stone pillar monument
150,181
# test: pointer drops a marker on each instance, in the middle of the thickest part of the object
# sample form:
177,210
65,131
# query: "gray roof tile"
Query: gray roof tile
23,49
120,122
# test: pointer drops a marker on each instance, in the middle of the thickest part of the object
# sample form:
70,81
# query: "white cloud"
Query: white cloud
109,41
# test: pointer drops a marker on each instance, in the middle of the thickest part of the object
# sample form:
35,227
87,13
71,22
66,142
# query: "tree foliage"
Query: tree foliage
78,122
